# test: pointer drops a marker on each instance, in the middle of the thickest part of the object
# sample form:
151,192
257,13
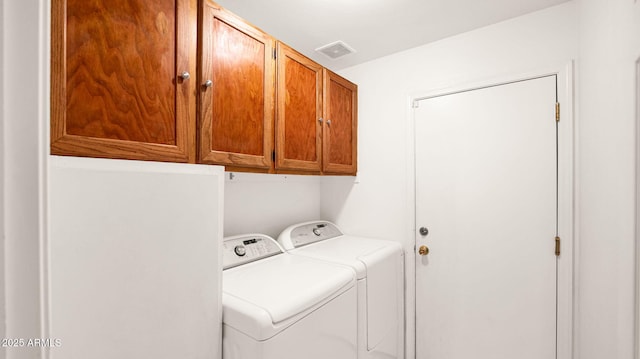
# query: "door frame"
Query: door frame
567,205
636,324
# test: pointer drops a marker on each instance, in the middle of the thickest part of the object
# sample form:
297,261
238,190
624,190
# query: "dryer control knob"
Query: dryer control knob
240,251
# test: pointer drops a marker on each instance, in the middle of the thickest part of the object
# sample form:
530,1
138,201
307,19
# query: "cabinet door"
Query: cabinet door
115,85
237,75
298,112
340,131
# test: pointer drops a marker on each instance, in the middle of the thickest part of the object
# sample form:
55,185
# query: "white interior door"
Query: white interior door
486,187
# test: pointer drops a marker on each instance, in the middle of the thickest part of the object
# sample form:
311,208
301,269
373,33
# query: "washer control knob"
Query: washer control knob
316,231
240,250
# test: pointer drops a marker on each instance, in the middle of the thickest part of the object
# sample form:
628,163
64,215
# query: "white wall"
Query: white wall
609,48
261,203
25,114
377,202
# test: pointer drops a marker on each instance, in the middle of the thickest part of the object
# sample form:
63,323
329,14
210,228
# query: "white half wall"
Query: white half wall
377,203
135,262
266,203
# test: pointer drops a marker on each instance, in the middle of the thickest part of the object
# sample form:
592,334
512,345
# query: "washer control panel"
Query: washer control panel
312,232
246,248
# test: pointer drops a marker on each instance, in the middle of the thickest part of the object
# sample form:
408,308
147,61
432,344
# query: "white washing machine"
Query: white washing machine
379,265
280,306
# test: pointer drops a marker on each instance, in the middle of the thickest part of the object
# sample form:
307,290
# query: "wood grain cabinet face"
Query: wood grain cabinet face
237,75
340,132
116,89
124,85
298,112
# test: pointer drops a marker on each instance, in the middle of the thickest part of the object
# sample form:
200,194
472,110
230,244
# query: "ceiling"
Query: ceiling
374,28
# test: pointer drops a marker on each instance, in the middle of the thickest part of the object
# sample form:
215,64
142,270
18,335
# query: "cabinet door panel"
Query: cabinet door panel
115,90
237,108
299,111
340,127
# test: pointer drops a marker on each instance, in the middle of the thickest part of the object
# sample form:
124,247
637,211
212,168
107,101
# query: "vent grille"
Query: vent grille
336,49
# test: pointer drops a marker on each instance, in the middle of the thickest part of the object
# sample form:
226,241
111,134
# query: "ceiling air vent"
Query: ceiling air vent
336,49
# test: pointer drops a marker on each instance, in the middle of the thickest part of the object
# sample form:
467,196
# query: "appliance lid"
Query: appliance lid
282,286
350,250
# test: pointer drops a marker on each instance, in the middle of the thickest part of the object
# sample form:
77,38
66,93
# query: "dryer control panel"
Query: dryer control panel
307,233
246,248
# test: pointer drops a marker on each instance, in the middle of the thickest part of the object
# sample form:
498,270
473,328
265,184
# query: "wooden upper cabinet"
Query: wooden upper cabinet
116,89
298,112
237,75
159,80
340,132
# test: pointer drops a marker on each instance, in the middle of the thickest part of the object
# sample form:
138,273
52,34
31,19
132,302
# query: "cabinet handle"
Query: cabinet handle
208,83
329,123
320,120
185,75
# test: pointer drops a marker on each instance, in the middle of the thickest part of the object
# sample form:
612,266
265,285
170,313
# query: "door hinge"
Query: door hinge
557,111
557,246
275,54
273,155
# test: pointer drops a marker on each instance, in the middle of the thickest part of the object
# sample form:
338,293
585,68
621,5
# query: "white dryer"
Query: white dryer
280,306
379,265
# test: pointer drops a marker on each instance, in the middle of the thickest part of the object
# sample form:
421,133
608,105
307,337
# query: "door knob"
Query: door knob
208,83
424,231
423,250
185,75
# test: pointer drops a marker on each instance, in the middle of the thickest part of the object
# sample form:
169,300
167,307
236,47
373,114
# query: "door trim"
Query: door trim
636,329
567,205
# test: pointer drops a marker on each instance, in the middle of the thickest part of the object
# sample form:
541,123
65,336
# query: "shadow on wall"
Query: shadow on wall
268,203
335,193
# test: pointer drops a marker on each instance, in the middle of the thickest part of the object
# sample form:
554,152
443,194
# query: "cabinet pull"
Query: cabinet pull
320,120
208,83
185,75
329,123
